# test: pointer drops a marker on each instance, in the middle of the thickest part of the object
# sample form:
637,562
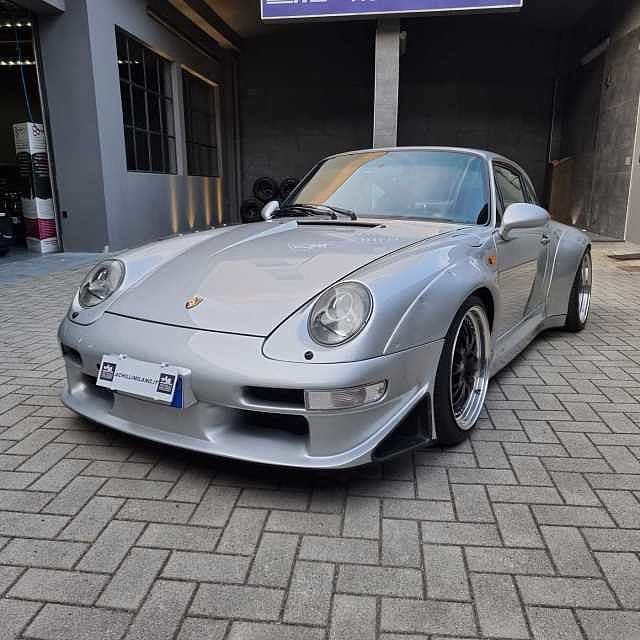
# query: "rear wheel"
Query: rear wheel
462,379
580,299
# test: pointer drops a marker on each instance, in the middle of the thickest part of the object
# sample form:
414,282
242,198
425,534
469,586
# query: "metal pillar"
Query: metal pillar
387,83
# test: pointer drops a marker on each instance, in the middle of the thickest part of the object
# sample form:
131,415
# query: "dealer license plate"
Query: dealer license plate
157,382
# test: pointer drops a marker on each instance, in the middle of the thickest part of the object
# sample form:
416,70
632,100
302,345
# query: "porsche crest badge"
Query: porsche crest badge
193,302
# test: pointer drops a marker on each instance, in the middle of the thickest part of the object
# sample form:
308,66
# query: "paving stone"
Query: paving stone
566,592
460,533
517,526
42,553
161,615
525,495
553,624
111,547
427,616
312,523
191,486
228,601
472,504
62,622
610,625
569,551
215,507
514,561
200,628
59,475
274,560
206,567
92,519
266,499
309,597
161,511
433,483
127,488
362,517
105,469
400,543
353,618
499,609
8,575
133,579
30,525
15,615
173,536
265,631
30,501
380,581
623,507
243,531
622,571
417,509
65,587
572,516
338,550
74,496
530,470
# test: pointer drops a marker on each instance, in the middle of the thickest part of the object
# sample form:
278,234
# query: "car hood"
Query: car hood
252,277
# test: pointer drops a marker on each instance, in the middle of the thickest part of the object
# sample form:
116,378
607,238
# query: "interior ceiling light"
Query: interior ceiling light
18,23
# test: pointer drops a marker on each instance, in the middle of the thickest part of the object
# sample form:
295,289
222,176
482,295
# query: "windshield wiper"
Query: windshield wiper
295,210
321,209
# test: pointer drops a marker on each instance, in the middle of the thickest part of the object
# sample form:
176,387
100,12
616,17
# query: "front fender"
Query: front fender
416,294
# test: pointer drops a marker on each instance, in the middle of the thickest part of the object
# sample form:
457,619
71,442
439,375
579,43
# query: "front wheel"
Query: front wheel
462,379
580,298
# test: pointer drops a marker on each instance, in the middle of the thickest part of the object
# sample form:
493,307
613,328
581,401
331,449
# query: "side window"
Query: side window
510,186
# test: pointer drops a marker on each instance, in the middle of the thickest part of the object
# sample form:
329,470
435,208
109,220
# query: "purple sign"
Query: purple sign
318,9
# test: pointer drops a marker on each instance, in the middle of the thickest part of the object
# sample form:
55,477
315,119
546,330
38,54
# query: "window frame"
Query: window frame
500,208
166,105
188,75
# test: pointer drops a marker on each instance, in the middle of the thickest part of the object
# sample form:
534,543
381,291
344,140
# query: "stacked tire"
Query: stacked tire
265,189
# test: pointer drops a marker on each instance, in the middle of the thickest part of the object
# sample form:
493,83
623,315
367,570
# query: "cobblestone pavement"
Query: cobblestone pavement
531,530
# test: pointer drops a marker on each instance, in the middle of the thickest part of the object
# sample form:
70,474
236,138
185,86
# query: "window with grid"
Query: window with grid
200,126
147,107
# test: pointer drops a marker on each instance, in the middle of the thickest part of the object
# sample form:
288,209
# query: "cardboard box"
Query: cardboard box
37,208
50,245
29,137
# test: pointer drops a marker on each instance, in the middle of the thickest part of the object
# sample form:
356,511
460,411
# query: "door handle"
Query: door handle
545,239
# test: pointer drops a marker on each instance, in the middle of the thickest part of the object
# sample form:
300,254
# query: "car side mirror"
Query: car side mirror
522,216
269,209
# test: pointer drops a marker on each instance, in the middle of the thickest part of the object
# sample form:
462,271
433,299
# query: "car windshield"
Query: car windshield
426,185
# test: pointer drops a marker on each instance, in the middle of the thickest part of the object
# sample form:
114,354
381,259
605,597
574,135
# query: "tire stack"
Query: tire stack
265,190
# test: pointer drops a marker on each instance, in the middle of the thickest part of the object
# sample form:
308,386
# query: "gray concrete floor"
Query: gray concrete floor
529,530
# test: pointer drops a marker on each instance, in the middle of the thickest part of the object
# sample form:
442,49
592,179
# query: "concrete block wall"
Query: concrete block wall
479,81
306,91
616,136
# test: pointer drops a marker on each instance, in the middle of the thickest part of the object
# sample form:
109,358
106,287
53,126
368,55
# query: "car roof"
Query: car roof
483,153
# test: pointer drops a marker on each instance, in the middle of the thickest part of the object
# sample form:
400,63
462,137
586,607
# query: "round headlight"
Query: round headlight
340,314
101,282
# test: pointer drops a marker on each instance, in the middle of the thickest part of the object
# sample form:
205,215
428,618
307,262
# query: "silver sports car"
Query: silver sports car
363,318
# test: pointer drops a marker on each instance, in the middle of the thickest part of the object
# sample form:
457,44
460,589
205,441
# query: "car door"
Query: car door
522,259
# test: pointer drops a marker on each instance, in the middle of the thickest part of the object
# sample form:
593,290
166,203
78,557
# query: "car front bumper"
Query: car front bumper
228,417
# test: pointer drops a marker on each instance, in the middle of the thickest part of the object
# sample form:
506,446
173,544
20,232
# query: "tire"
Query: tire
462,373
250,210
580,298
266,189
287,186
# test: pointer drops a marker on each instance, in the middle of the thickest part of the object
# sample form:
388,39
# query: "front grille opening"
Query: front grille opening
295,425
265,395
71,354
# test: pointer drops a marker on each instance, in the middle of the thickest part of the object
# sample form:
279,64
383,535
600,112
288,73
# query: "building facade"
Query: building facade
161,115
